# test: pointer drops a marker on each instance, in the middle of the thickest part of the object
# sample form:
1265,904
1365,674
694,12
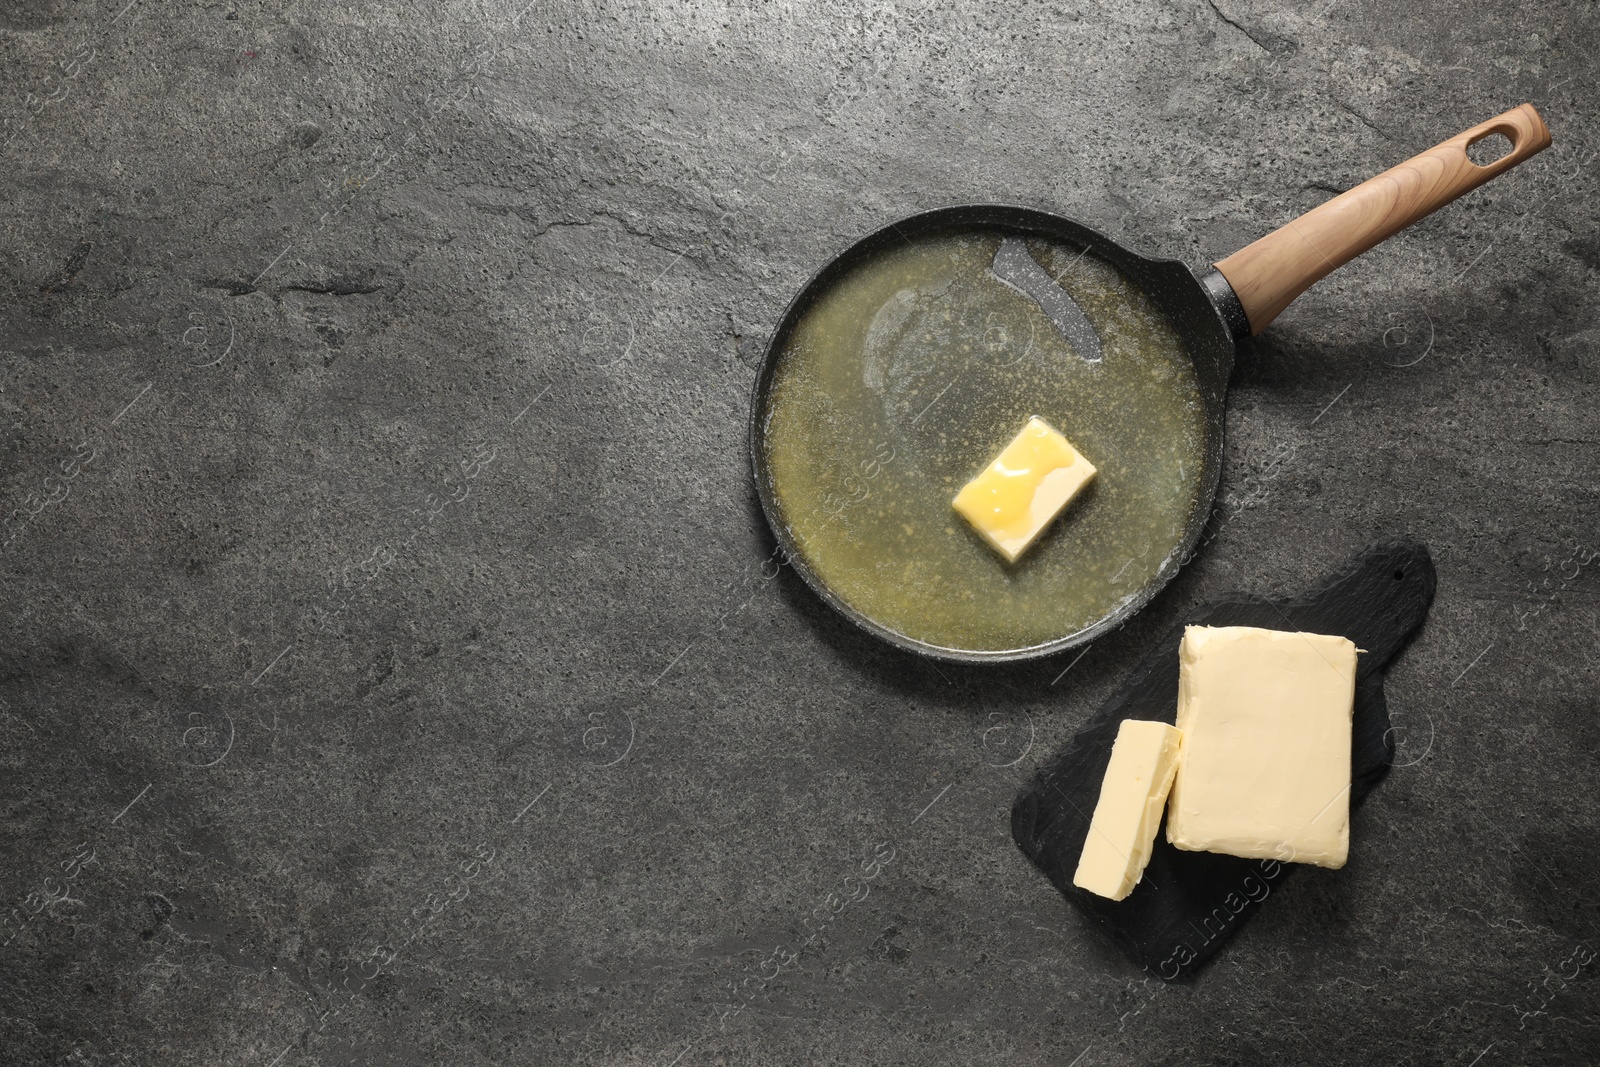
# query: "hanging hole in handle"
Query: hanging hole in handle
1489,148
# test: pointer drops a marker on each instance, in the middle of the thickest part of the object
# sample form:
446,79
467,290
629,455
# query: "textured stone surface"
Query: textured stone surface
288,574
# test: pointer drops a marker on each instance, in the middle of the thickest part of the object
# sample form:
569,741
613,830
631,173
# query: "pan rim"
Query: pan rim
951,216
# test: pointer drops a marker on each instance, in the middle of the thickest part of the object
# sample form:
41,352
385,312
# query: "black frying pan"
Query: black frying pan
1212,310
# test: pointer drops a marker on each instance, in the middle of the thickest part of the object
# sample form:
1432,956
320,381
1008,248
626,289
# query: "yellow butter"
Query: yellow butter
1018,495
1265,768
1128,813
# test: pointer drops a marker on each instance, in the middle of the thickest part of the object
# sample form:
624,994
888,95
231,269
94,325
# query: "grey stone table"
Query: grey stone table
389,673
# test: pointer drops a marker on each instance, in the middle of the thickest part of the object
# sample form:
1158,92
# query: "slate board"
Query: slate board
1189,903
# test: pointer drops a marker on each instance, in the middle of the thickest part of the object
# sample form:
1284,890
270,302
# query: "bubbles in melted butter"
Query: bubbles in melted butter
908,376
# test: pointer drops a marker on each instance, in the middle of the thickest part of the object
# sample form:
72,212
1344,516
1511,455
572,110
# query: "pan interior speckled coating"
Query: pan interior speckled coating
1169,284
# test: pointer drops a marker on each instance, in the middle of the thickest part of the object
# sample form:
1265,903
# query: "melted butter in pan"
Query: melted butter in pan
905,379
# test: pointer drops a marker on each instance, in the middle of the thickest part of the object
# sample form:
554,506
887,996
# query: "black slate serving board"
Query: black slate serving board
1189,903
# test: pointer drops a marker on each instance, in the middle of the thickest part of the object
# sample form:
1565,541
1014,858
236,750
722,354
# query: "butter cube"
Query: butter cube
1265,767
1128,813
1024,489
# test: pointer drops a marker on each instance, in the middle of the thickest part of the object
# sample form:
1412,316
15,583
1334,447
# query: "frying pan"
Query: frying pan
1213,310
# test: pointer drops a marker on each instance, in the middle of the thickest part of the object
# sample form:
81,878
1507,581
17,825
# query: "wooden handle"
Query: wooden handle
1270,273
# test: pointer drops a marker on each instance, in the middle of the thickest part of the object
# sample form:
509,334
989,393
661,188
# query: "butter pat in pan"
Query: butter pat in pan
1128,813
1265,768
1018,495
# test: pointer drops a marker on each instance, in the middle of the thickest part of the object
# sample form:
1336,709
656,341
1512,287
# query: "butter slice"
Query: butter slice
1024,489
1128,813
1265,769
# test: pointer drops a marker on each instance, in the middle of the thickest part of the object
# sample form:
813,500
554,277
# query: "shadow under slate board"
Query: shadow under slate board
1189,903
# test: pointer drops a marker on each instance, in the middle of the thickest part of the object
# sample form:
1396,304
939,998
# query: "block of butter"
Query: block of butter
1128,813
1024,489
1265,768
